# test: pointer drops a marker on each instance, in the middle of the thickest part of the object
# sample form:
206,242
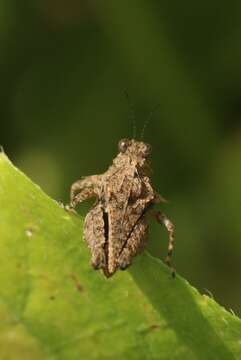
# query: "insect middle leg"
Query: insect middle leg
163,219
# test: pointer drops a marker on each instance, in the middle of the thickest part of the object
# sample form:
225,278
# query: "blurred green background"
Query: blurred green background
64,68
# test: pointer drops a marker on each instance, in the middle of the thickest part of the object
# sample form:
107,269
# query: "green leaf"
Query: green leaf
53,305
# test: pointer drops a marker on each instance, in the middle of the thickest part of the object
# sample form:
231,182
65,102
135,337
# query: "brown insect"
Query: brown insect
116,228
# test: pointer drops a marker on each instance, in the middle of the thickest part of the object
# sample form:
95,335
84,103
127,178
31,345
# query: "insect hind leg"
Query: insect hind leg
134,245
95,237
163,219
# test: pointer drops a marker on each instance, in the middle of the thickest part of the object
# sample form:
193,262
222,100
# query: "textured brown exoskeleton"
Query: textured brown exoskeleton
116,228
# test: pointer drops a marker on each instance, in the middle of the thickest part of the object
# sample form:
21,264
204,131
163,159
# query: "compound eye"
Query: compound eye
147,150
123,145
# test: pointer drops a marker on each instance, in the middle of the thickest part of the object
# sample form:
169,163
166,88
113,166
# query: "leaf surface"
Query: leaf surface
53,305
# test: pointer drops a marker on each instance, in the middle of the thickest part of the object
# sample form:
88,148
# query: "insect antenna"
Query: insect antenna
148,120
131,114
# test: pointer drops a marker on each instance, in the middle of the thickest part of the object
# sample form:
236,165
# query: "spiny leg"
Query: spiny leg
83,189
94,235
163,219
83,195
134,245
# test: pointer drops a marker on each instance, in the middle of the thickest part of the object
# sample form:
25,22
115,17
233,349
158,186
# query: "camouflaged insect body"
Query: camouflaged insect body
116,228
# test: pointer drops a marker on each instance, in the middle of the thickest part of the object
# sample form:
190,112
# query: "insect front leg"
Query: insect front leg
84,189
163,219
